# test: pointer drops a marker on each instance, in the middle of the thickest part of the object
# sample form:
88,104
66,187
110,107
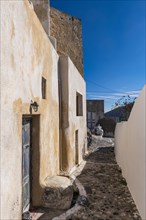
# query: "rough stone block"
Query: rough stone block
68,32
58,192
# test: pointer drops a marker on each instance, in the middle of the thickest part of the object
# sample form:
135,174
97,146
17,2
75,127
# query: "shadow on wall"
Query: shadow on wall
36,189
65,162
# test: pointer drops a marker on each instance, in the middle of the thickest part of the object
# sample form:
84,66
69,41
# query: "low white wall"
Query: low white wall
130,150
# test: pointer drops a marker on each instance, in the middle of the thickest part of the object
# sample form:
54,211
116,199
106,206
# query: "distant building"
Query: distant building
95,111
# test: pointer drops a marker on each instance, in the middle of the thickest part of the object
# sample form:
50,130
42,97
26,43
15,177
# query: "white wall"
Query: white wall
26,56
130,149
77,84
72,83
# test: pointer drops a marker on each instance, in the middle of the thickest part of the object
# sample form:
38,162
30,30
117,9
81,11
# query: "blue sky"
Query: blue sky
113,46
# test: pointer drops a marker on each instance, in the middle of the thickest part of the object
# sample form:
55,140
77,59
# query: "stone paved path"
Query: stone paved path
107,192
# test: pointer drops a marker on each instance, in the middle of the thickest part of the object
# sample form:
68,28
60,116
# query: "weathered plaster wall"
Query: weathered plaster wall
72,82
130,149
26,55
68,32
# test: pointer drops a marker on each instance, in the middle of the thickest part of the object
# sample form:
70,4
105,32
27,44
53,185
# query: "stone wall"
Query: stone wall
95,106
41,8
68,32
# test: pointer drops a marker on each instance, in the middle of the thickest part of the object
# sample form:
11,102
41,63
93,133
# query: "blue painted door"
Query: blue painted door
26,143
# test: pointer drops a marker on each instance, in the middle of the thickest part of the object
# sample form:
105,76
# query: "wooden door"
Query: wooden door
26,144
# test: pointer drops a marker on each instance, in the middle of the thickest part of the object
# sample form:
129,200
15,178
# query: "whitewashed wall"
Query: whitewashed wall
26,56
130,149
72,82
77,84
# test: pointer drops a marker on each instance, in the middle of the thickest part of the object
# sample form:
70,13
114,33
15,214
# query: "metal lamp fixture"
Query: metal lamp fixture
34,106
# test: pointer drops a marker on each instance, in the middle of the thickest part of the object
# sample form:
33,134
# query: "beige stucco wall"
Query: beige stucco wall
72,82
130,149
26,56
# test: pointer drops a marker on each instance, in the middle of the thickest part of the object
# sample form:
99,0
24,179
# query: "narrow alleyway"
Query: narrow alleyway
108,197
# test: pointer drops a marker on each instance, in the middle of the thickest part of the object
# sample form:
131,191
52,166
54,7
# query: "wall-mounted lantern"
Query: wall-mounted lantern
34,106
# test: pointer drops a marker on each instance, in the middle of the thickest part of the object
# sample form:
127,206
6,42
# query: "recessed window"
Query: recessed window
79,104
44,88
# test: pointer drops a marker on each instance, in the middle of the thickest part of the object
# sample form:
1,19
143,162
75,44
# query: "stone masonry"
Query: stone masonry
107,192
68,32
42,11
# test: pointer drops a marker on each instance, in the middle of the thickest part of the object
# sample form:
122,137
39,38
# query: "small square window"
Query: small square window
44,88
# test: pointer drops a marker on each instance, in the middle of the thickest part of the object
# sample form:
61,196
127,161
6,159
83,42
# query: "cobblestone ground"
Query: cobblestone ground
107,191
108,197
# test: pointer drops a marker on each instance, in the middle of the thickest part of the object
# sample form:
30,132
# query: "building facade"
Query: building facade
67,31
41,132
95,111
73,114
